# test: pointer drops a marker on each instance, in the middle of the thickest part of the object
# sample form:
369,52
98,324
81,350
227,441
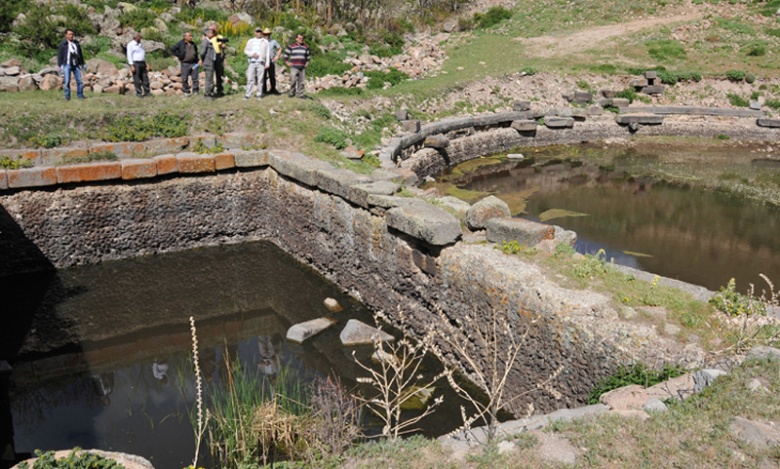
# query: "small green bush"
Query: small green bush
750,78
735,75
328,63
137,19
757,49
734,303
529,70
74,460
320,110
331,136
629,93
6,162
665,49
378,78
339,91
737,100
773,103
137,129
492,17
46,141
635,374
671,78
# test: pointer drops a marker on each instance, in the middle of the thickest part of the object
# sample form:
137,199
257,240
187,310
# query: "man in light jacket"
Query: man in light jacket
136,57
258,53
208,58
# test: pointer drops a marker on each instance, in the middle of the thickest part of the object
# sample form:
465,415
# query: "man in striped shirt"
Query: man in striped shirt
297,57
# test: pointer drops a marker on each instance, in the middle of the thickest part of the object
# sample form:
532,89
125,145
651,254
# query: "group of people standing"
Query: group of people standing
261,51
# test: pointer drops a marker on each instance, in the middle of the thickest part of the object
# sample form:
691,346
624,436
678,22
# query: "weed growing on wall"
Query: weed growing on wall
638,373
77,459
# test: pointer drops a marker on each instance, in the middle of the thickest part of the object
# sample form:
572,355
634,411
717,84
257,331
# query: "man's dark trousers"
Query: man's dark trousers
187,70
219,72
141,79
269,75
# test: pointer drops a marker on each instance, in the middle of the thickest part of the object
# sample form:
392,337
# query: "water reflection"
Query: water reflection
103,359
693,235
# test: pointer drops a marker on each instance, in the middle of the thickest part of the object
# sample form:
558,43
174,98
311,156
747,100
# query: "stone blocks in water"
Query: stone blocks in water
486,209
305,330
332,305
525,232
360,333
425,222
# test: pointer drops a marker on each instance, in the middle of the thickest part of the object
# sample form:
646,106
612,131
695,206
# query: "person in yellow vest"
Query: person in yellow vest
219,42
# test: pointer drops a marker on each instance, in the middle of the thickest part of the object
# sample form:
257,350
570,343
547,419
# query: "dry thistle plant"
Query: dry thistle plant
397,380
488,348
201,422
750,329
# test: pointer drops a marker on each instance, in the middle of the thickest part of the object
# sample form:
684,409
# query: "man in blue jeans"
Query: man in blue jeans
70,59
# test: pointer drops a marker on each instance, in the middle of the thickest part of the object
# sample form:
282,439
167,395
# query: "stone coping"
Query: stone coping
565,120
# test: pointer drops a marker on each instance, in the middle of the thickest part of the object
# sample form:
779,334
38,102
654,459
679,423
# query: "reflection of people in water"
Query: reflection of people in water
103,384
160,371
207,359
269,362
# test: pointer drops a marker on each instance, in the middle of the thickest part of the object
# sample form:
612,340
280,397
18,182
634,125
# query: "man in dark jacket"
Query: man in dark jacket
187,53
70,59
208,57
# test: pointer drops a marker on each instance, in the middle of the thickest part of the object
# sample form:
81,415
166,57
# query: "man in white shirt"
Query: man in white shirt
257,52
136,57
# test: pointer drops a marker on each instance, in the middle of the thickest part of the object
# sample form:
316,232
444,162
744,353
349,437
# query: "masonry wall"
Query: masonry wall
351,245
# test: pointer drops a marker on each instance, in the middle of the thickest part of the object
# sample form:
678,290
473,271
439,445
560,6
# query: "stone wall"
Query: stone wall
387,250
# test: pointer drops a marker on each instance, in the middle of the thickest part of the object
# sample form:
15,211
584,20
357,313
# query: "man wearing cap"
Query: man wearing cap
275,50
257,52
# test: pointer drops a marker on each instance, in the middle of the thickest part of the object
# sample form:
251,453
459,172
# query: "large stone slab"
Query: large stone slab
305,330
486,209
555,122
643,119
298,167
338,181
32,177
359,193
768,122
425,222
359,333
524,125
686,110
758,434
525,232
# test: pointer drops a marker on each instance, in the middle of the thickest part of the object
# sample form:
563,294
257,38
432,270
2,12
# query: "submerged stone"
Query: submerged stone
360,333
305,330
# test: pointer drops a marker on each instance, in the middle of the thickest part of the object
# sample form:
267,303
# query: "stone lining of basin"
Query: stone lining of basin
389,251
430,148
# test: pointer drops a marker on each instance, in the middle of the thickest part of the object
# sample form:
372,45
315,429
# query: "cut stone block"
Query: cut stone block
653,89
437,141
525,232
89,172
359,193
305,330
643,119
486,209
425,222
620,102
651,74
191,163
639,82
521,106
554,122
609,94
360,333
224,161
768,122
3,179
411,126
524,125
402,115
166,164
582,97
251,158
332,305
138,169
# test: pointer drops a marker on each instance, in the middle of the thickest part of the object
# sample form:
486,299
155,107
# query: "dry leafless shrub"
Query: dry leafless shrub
336,417
487,346
747,329
396,380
